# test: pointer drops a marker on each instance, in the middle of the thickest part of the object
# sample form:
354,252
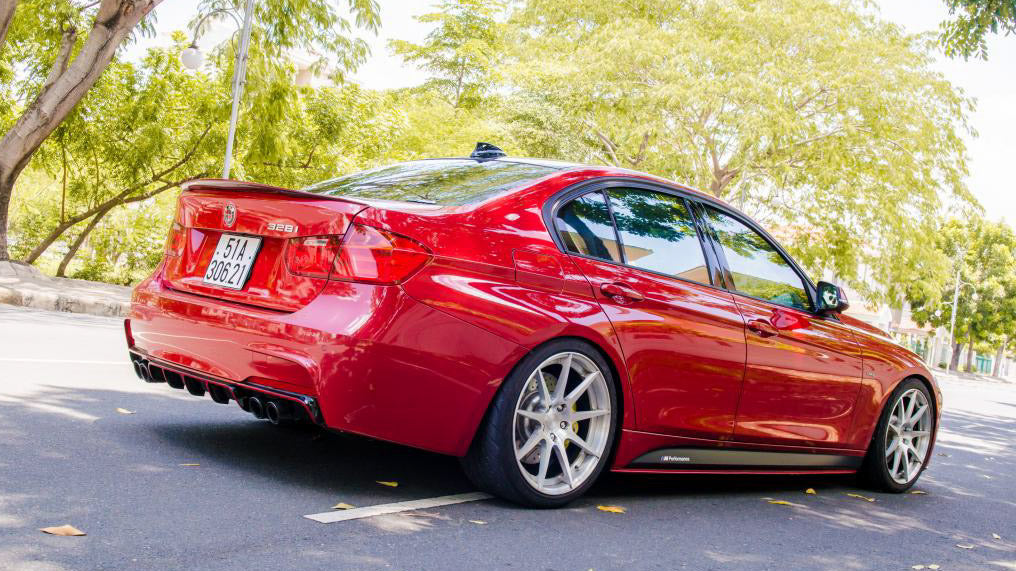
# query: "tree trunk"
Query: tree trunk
64,88
6,189
6,15
954,359
81,240
970,354
999,356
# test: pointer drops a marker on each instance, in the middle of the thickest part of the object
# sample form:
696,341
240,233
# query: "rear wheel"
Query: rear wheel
902,441
550,428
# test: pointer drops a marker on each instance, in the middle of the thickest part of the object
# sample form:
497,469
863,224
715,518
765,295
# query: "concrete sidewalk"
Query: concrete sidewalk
24,285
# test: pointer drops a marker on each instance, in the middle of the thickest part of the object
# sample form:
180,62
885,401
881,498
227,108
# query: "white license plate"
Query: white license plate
233,259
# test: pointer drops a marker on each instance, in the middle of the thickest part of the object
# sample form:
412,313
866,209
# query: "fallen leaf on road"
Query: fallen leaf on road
811,492
943,454
860,497
917,566
917,492
124,411
933,566
784,503
612,509
64,530
964,546
192,464
996,536
389,484
478,521
342,506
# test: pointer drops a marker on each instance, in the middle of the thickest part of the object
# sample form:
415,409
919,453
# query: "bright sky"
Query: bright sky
992,83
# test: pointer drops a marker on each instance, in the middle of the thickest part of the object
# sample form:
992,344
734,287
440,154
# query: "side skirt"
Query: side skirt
730,460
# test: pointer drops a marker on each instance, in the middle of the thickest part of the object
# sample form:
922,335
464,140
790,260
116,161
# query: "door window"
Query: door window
658,233
756,266
586,227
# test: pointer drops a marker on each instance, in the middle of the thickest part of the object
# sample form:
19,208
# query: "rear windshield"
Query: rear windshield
435,181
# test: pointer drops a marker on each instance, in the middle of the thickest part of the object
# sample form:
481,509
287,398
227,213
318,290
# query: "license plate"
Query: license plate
233,259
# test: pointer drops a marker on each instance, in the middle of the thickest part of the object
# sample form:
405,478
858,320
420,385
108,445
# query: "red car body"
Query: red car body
417,361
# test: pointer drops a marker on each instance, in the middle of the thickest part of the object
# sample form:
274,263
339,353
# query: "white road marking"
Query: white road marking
371,511
70,361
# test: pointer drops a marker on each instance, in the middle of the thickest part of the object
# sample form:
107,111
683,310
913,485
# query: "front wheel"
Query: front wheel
550,428
902,441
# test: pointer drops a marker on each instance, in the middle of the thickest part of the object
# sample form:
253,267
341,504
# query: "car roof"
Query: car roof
609,170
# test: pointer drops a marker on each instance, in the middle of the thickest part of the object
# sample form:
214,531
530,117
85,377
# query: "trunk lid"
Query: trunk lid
209,209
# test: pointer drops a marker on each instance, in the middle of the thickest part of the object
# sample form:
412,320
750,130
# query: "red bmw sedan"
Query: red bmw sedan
542,321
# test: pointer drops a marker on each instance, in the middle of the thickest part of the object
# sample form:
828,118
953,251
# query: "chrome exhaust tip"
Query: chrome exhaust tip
279,412
256,407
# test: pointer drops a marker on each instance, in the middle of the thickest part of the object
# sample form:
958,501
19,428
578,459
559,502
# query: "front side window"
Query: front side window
757,268
586,227
658,234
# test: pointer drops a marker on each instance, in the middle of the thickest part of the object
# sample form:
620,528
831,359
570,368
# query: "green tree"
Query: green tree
146,128
812,115
964,35
983,255
461,50
47,67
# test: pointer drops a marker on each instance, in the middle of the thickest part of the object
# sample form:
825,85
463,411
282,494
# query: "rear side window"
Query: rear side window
437,181
658,234
757,268
586,227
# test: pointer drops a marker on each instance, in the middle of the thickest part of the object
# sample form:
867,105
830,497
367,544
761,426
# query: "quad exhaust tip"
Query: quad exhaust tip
255,407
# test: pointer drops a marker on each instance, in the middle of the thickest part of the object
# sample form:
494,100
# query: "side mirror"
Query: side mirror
831,299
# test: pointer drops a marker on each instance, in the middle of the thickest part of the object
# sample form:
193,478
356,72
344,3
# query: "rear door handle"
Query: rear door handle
620,292
762,328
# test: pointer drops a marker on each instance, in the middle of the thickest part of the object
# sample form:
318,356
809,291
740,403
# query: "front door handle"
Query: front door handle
620,292
762,328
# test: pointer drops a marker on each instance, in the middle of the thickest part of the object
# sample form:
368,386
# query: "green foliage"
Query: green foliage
311,27
462,49
983,254
973,20
812,115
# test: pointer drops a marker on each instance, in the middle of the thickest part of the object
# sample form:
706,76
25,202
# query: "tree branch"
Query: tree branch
70,35
119,198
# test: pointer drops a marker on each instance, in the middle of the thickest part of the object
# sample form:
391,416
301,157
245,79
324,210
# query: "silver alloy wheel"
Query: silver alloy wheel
908,436
562,423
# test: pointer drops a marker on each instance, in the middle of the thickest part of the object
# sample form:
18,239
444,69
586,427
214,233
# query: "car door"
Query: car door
682,338
803,370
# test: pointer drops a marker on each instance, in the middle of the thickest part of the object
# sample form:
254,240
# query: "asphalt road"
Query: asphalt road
68,457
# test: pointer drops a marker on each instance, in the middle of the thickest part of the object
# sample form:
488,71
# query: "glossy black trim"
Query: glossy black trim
699,458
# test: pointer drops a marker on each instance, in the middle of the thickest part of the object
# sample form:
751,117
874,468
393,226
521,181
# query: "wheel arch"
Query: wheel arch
614,361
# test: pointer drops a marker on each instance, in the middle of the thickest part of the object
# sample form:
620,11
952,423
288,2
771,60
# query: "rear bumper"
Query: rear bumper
371,359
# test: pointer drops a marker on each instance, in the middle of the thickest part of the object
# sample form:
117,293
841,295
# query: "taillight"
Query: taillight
175,241
377,256
312,256
364,254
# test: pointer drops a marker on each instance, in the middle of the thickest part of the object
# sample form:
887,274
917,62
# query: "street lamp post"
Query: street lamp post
952,320
192,59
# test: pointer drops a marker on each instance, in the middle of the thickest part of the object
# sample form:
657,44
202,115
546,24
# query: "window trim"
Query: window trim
602,185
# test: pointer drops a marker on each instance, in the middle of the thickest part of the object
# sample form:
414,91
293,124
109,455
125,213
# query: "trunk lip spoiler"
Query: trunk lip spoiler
241,185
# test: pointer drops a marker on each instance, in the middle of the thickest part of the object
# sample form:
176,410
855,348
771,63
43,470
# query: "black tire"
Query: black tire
874,473
490,463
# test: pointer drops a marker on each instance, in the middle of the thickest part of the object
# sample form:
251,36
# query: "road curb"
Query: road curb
25,286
